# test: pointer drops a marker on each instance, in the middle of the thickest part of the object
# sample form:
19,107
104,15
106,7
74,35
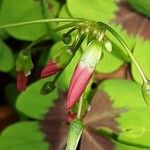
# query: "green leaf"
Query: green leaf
6,58
13,11
109,63
97,10
64,11
121,146
134,123
140,6
122,92
74,134
142,55
31,98
23,136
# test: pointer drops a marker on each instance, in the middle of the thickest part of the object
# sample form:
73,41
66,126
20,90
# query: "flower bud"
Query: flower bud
74,134
58,63
66,38
48,87
83,72
107,44
23,66
24,62
21,81
146,93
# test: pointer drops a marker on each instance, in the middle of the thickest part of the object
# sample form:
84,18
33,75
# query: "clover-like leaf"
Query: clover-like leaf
23,136
128,94
32,103
142,54
6,58
14,11
54,124
92,140
97,10
102,113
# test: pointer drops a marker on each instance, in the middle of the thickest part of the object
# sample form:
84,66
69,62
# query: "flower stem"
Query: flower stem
80,107
122,42
41,21
29,47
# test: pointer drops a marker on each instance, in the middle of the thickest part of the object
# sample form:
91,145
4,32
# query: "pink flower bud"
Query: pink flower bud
83,72
21,81
50,69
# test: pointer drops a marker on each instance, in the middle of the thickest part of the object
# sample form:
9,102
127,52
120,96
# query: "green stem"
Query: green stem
80,107
119,38
29,48
41,21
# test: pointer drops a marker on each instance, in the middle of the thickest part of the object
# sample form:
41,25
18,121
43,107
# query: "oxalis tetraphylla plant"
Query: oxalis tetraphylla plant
94,35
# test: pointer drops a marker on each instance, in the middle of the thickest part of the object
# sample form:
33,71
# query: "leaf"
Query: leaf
120,146
14,11
91,140
124,93
54,124
31,98
6,58
109,63
128,94
94,10
23,136
102,113
142,55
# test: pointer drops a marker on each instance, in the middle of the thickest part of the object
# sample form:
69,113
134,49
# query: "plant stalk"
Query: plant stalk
41,21
122,42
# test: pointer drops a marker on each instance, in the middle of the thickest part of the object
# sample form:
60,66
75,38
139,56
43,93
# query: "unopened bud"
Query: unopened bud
107,44
47,88
24,62
66,38
58,63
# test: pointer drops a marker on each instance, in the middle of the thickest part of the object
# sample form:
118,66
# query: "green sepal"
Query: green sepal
75,131
92,54
24,62
146,93
64,57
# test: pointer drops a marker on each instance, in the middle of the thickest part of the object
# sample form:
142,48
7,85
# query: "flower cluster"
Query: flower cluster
96,40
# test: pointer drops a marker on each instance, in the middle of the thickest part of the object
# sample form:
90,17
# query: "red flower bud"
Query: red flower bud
60,61
50,69
83,72
21,81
